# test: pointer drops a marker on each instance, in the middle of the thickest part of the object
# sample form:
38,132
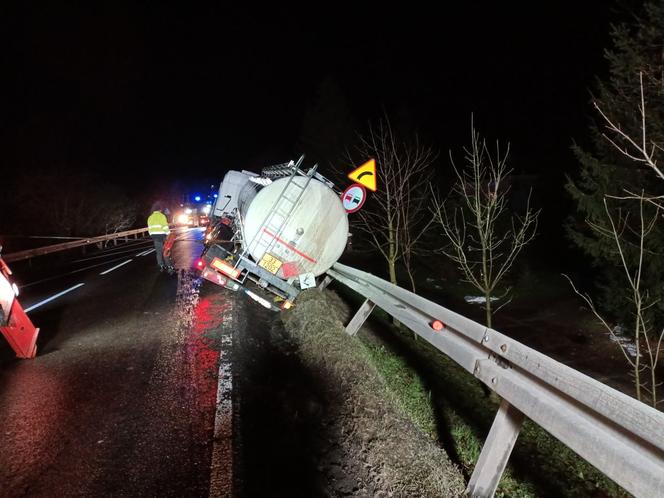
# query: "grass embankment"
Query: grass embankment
448,404
396,452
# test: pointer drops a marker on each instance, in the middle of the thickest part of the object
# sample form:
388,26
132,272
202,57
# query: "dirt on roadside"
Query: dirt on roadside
313,418
369,447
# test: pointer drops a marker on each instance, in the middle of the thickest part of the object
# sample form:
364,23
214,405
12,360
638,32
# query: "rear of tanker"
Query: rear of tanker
277,231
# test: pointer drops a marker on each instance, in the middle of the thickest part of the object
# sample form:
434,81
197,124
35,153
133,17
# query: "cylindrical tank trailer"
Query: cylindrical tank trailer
313,237
284,232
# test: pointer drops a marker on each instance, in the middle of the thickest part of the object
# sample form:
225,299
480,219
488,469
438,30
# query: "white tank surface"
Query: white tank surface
313,237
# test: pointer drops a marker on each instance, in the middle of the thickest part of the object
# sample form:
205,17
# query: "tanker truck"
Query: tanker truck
280,230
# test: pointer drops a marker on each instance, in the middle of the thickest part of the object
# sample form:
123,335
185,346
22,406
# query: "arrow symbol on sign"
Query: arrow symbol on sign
359,174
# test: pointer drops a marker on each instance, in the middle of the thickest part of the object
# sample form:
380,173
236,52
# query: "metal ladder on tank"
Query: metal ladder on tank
281,211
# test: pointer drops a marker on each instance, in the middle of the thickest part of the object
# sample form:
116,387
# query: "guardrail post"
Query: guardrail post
326,281
360,317
495,452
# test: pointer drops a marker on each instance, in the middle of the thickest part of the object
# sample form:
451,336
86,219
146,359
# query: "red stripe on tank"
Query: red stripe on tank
283,242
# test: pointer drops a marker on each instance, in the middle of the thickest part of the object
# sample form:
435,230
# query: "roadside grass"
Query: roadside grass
396,451
426,383
405,387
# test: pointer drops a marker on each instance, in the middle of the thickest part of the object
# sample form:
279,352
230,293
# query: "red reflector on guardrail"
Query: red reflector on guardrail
437,325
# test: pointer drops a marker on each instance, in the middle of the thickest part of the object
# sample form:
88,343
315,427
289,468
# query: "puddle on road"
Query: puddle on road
187,248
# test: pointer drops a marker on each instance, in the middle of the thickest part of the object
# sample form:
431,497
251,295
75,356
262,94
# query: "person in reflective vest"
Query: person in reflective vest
158,230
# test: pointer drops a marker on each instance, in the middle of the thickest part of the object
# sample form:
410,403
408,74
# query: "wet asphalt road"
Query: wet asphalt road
121,398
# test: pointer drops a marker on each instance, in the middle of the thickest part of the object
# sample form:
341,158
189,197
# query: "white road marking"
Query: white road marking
108,254
116,267
221,466
68,273
149,251
55,296
143,253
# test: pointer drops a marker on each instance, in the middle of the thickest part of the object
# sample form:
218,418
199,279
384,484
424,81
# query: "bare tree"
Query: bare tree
647,337
645,340
74,204
478,241
395,217
416,221
642,150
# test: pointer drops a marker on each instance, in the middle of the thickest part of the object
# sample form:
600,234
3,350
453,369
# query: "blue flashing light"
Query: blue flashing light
197,198
215,196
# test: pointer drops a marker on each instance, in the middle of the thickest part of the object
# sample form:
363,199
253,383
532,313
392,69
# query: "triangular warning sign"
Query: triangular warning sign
365,174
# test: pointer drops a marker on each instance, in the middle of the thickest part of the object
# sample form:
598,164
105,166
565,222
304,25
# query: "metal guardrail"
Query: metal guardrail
617,434
40,251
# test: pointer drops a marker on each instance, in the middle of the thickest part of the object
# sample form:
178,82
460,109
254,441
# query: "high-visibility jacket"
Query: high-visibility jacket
158,224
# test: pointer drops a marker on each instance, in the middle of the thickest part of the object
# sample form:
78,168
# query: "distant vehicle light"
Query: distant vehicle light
197,198
200,263
183,218
215,196
207,208
188,211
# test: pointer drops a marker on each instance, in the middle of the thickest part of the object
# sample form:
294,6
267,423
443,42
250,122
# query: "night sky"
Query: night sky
187,92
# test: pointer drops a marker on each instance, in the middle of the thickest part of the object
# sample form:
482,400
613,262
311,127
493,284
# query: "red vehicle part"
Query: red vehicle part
225,267
14,323
214,277
20,332
168,244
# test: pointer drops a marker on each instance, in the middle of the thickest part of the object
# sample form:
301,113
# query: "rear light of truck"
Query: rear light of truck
225,268
214,277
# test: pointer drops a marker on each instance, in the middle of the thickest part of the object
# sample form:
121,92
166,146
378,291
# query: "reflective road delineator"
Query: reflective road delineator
15,325
20,332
